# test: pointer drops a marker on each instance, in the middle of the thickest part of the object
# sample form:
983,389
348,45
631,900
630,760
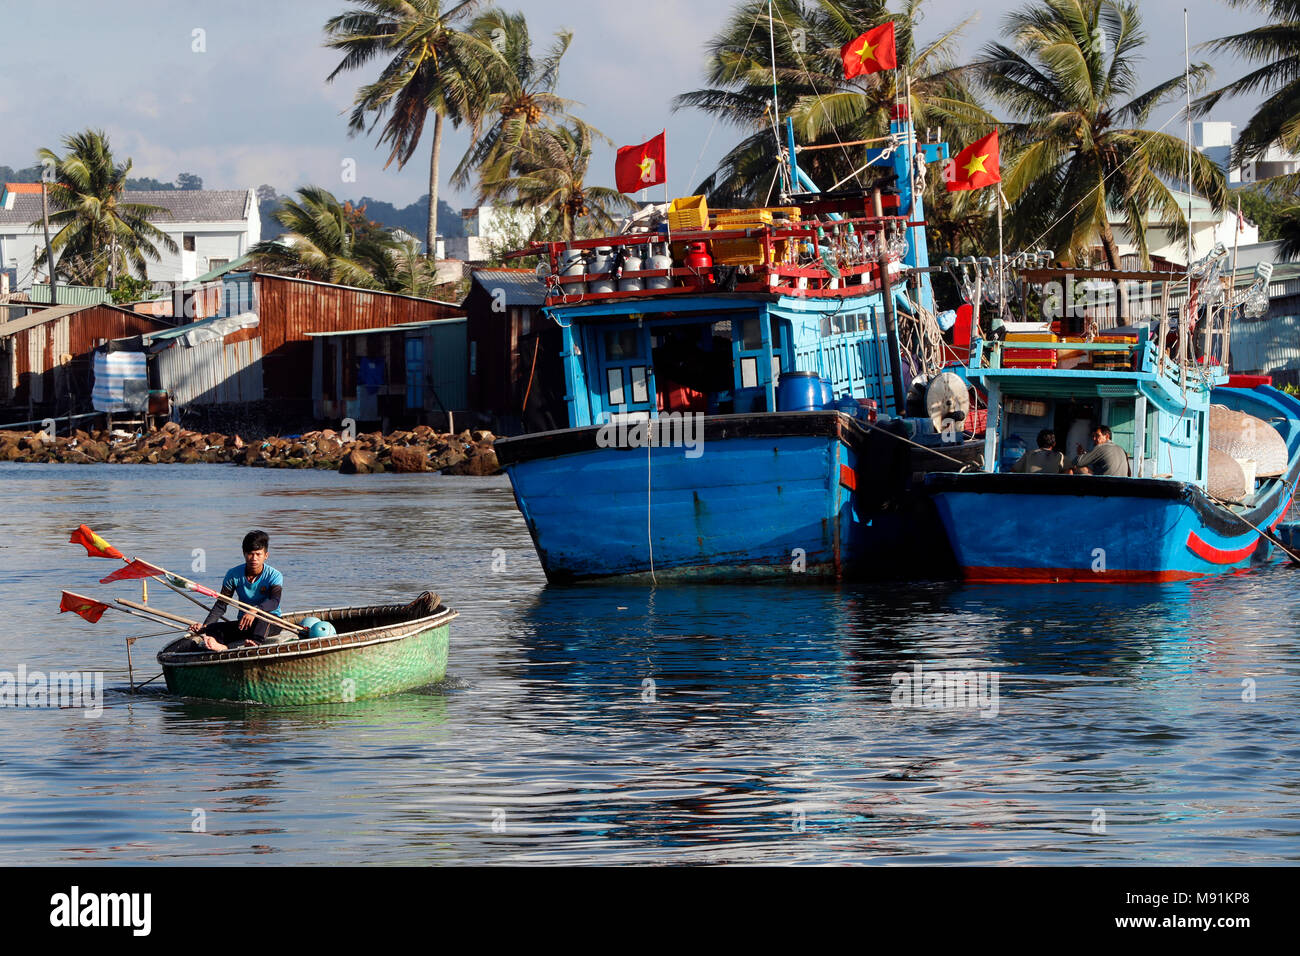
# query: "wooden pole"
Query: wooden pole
130,670
165,615
257,611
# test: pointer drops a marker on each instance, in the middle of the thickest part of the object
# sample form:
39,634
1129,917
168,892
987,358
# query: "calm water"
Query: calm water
617,724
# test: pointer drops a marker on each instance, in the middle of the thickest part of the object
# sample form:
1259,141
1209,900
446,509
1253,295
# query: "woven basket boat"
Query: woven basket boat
385,649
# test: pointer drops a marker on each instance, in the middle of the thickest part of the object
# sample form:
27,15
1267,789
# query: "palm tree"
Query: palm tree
811,89
431,65
329,241
1080,148
551,179
99,234
521,100
1276,46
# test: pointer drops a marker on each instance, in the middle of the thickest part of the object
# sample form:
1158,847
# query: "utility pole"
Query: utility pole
49,250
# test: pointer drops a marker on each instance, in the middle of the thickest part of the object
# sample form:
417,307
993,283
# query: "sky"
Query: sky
235,91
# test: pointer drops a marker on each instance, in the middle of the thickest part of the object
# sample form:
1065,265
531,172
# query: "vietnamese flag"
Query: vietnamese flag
88,608
870,53
96,547
136,569
637,167
974,167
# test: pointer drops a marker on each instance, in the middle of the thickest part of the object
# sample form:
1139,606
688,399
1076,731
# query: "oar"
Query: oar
165,615
257,611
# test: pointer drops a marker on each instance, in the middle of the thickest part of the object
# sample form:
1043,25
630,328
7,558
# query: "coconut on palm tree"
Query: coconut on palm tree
551,180
811,89
521,100
100,235
1079,147
431,65
329,241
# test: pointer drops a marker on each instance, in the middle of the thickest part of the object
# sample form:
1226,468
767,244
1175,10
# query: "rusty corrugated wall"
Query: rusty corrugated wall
290,308
38,371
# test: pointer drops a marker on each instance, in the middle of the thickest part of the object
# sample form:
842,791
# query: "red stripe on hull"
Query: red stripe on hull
1208,552
1072,575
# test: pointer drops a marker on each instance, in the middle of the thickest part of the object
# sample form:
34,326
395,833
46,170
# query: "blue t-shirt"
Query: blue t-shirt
257,590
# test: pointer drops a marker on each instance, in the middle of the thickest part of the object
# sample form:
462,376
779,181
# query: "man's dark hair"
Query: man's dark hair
256,541
1047,438
1105,430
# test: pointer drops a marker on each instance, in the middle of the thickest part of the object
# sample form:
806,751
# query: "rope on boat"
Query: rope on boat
886,431
1264,534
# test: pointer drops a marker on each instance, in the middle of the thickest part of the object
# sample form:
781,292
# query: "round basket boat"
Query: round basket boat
378,650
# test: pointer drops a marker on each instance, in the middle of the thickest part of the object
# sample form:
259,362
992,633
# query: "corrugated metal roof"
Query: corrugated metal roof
521,287
1266,344
71,294
41,316
230,266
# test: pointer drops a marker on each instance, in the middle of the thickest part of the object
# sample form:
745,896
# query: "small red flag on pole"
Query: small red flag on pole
88,608
96,547
870,53
637,167
134,569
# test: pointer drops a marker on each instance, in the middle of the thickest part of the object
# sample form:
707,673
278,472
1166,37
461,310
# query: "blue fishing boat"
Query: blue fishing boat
1209,463
738,386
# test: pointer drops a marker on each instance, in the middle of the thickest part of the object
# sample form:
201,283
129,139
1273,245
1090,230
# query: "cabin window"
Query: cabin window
622,344
525,322
615,376
640,390
748,372
751,335
187,241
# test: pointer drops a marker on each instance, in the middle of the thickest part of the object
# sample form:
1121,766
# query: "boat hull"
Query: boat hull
764,495
1026,528
353,666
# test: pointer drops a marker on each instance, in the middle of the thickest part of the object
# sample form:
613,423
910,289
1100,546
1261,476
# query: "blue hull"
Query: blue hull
1005,529
1027,527
746,505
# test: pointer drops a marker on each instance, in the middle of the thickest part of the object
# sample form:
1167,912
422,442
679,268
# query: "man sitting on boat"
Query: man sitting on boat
1044,459
1106,458
254,582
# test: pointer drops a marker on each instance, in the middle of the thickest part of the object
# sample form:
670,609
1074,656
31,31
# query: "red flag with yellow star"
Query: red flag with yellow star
974,167
96,547
870,53
88,608
637,167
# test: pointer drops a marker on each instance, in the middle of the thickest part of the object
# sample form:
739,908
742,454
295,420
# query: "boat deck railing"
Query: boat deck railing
815,258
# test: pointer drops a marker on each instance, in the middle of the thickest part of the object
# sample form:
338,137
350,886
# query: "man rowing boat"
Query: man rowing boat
254,582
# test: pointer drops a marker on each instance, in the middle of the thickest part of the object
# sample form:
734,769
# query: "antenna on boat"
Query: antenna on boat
1187,81
776,106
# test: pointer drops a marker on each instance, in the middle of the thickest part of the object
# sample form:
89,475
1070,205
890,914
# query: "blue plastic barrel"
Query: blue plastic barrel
801,392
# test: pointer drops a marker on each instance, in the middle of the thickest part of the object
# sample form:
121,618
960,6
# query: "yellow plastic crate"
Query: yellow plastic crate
736,252
742,219
688,213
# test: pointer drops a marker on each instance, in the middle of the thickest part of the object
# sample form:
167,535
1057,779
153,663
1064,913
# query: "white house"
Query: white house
1208,227
209,226
489,231
1215,139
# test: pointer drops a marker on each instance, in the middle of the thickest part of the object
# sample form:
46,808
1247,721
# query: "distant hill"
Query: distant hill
412,218
32,174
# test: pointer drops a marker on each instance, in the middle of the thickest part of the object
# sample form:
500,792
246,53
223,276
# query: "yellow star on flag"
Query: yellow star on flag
867,51
976,165
647,167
